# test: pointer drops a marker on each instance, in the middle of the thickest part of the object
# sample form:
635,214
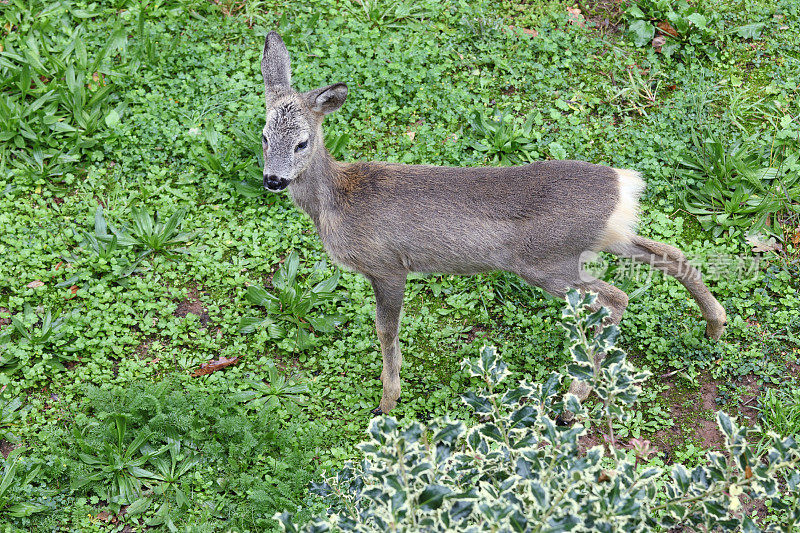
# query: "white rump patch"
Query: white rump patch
621,225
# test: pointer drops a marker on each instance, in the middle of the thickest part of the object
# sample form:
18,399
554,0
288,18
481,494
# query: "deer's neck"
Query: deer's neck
313,190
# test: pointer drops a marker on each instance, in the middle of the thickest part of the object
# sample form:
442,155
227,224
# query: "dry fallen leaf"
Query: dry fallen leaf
667,28
526,31
658,42
575,16
213,366
411,134
34,284
760,245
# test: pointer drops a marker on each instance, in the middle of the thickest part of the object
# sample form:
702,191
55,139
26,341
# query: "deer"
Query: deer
386,220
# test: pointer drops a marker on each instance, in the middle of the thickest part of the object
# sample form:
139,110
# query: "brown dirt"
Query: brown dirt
591,439
791,366
143,350
7,447
475,332
192,304
605,14
4,321
707,430
750,505
692,413
747,402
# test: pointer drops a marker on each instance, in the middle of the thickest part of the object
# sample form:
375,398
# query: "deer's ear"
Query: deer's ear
327,99
275,67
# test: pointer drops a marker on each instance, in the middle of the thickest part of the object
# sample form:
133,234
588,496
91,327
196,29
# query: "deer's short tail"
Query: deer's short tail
621,225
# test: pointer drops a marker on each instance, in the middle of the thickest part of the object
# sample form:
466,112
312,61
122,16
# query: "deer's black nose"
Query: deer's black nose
274,183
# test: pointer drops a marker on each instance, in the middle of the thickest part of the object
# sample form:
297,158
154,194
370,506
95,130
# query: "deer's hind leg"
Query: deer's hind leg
609,296
388,305
672,261
613,299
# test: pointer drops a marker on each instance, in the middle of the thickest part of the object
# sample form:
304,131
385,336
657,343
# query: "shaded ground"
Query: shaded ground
693,410
6,447
192,304
605,14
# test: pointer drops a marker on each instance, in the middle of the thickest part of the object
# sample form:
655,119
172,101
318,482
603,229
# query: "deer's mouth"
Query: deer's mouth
275,185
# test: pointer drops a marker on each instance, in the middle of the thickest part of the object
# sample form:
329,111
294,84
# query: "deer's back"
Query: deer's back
464,220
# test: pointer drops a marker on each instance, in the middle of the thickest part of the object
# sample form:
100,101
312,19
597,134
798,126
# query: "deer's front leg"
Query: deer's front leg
389,303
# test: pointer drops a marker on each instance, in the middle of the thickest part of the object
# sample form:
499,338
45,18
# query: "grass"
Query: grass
158,115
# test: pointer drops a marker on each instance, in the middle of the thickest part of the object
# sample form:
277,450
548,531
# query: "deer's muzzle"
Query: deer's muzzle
275,184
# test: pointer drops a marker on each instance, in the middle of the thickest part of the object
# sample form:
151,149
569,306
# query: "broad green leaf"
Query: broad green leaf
20,510
290,267
259,295
112,119
137,442
323,323
725,424
143,222
139,506
750,31
172,224
698,20
327,285
250,324
432,497
642,31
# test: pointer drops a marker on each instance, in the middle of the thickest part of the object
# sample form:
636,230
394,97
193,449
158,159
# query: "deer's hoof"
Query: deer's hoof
565,419
385,406
716,321
714,330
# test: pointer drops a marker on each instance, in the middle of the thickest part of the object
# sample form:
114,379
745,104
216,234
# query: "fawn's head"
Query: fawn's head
293,130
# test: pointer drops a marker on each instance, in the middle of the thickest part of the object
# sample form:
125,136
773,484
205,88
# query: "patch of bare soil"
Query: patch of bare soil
475,332
4,321
7,447
749,505
692,418
708,432
591,439
747,402
143,350
605,14
192,304
791,366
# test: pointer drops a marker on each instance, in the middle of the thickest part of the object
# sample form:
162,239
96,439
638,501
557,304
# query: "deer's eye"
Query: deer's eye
301,146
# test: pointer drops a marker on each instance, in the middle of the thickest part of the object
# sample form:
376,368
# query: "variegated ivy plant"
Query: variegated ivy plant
518,471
